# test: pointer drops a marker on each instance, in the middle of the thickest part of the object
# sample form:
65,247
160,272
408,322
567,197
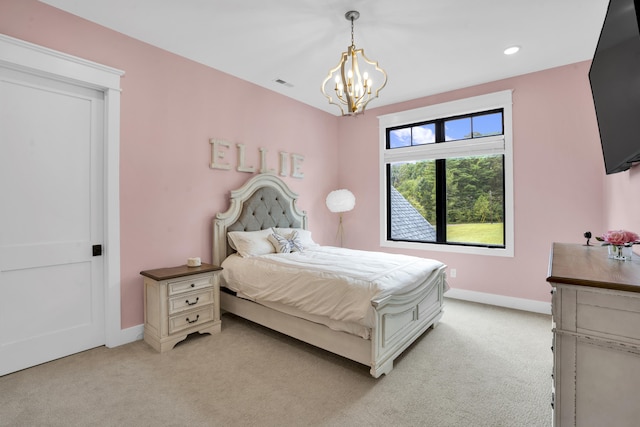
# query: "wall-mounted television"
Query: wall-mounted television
615,85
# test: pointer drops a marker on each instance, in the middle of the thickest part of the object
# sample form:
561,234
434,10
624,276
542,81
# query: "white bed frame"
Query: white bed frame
399,319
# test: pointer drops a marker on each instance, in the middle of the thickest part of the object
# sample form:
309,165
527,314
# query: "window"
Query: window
446,177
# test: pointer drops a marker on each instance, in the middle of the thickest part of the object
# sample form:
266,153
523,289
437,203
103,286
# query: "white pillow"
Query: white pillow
303,235
284,245
251,243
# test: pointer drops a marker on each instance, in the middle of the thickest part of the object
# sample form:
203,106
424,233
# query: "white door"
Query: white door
51,216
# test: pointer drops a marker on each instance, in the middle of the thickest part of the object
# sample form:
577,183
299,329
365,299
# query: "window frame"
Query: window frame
498,144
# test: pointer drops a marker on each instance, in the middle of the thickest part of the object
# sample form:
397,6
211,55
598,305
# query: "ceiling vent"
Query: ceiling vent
282,82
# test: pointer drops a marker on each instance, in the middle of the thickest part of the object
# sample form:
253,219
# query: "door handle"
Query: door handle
97,250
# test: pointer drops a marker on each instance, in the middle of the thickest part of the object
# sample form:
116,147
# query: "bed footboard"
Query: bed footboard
401,319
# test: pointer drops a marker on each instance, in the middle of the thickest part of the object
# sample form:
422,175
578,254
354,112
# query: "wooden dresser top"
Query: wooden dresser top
581,265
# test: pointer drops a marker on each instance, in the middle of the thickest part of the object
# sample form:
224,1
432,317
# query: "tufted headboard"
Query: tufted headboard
263,201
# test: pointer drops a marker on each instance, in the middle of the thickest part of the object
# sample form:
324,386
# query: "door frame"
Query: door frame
28,57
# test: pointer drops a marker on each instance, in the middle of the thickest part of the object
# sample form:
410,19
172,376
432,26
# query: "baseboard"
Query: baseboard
500,300
136,333
126,336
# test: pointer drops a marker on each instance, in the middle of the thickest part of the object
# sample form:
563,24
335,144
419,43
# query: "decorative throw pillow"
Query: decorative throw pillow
285,245
303,235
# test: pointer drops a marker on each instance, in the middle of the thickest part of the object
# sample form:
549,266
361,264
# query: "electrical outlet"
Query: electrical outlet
452,272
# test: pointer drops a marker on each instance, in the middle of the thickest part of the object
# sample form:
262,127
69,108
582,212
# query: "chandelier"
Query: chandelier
351,82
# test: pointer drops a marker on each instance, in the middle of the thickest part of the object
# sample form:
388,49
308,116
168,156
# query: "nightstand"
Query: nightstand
179,301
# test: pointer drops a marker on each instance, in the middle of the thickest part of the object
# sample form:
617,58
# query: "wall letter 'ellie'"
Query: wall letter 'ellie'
219,149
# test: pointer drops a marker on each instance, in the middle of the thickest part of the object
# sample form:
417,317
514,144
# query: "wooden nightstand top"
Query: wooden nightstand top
179,271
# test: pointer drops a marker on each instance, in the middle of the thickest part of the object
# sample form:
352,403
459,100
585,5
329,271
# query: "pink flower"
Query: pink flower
620,237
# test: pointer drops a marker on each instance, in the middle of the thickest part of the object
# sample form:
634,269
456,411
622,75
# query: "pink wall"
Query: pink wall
621,202
558,179
172,106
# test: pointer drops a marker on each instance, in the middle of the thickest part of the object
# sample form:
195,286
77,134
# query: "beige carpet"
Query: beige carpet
482,366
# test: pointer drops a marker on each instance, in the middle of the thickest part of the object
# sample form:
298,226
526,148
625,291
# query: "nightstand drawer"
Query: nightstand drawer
189,301
190,319
189,285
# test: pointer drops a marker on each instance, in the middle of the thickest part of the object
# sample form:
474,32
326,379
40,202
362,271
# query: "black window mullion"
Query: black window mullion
388,190
441,188
441,201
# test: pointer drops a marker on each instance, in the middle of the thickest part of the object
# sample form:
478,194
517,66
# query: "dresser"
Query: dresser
179,301
596,337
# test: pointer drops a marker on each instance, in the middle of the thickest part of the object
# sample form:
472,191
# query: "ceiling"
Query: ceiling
425,46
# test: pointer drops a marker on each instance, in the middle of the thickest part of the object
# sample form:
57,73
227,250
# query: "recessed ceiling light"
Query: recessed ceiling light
511,50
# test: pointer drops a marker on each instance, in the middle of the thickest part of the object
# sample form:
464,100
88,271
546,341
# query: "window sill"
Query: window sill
434,247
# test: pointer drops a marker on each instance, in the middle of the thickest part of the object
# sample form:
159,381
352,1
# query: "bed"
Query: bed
373,330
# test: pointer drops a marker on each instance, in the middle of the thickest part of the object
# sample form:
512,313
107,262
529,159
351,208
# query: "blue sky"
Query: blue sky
486,124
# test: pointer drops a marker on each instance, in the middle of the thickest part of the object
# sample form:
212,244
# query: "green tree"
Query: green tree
482,209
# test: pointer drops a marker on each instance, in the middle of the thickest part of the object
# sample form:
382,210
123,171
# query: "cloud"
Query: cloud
401,137
423,135
420,134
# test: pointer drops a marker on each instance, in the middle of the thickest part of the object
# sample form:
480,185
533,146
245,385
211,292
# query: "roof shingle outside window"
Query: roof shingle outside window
406,221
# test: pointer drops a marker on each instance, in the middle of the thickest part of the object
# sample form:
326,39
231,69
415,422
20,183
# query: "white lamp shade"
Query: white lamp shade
341,201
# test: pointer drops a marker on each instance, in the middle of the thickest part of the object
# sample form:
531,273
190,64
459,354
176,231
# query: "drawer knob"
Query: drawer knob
194,320
193,285
193,303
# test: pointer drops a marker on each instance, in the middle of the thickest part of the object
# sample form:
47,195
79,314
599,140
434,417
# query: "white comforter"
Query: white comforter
326,281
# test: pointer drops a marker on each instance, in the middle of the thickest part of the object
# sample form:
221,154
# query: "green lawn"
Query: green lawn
476,233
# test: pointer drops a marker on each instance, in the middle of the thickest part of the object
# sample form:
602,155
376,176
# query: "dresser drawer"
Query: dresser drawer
190,319
189,285
603,314
191,300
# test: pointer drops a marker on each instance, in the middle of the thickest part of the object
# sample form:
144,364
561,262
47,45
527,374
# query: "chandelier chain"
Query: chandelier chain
352,42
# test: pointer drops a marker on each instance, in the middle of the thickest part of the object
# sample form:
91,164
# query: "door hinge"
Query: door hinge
97,250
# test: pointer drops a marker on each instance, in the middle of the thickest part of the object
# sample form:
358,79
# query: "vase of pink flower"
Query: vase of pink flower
620,243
